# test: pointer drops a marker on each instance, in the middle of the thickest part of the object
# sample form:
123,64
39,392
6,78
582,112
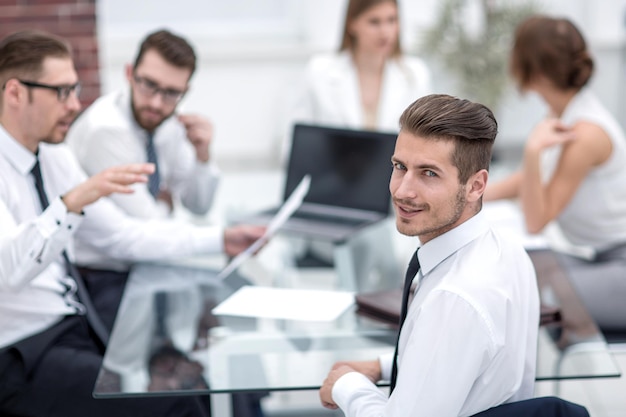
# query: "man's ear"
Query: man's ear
12,93
476,185
129,72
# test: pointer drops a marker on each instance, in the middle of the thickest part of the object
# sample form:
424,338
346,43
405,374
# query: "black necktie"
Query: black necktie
154,180
414,267
83,295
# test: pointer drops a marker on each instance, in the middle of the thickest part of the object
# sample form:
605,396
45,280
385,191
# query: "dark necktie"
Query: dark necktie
414,267
160,312
154,180
81,290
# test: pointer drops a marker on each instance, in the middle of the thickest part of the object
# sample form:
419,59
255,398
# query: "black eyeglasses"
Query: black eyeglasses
63,91
149,88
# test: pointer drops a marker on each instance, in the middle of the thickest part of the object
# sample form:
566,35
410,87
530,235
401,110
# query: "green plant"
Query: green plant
479,59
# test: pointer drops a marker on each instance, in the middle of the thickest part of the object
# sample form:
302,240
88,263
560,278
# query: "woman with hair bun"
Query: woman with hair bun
574,164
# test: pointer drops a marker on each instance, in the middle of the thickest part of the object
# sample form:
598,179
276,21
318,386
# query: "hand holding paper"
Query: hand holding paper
240,237
293,202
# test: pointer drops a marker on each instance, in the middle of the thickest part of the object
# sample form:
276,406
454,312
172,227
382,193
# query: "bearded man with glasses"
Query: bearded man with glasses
142,124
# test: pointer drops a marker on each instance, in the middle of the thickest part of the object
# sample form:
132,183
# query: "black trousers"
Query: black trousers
106,289
53,373
537,407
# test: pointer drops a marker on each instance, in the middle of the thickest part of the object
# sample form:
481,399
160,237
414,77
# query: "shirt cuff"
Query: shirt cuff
349,384
57,220
386,363
207,168
209,239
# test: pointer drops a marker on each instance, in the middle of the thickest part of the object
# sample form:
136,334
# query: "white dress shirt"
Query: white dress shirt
470,338
106,134
31,267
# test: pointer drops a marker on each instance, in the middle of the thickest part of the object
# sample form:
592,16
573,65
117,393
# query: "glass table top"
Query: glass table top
167,341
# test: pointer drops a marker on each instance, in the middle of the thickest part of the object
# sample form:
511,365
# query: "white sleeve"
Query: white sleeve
386,363
193,182
106,228
356,395
422,85
27,249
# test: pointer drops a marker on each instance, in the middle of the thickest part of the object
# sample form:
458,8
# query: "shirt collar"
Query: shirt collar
15,153
437,250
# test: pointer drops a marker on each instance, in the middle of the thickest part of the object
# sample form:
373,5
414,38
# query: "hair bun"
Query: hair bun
582,69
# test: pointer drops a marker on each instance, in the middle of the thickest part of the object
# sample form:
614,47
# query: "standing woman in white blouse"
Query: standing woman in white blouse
369,82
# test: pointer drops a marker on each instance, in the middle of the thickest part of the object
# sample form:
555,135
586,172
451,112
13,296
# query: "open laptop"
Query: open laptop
349,190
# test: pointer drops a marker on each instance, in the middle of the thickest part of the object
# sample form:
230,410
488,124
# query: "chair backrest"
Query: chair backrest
613,336
616,340
537,407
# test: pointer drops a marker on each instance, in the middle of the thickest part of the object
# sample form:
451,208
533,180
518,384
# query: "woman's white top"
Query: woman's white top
332,95
596,215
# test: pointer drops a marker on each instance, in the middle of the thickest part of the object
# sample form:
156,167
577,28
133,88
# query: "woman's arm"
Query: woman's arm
585,146
506,188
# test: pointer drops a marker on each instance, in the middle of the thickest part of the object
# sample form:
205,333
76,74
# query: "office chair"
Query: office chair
536,407
616,339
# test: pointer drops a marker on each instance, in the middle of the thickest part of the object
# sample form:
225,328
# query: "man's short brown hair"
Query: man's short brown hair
472,127
22,54
174,49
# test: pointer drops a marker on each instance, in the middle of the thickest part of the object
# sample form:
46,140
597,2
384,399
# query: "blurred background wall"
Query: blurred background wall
252,54
75,20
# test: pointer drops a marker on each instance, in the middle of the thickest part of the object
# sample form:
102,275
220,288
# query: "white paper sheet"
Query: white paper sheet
286,210
285,303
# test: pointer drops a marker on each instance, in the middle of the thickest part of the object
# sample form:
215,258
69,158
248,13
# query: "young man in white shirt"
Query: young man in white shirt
469,339
142,123
114,130
50,349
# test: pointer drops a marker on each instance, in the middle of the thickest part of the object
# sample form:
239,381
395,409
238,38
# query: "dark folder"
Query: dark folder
385,305
382,306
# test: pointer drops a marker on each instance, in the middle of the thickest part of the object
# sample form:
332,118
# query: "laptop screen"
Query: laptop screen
348,168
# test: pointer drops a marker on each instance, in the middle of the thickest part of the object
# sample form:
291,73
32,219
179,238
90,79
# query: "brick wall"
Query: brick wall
74,20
